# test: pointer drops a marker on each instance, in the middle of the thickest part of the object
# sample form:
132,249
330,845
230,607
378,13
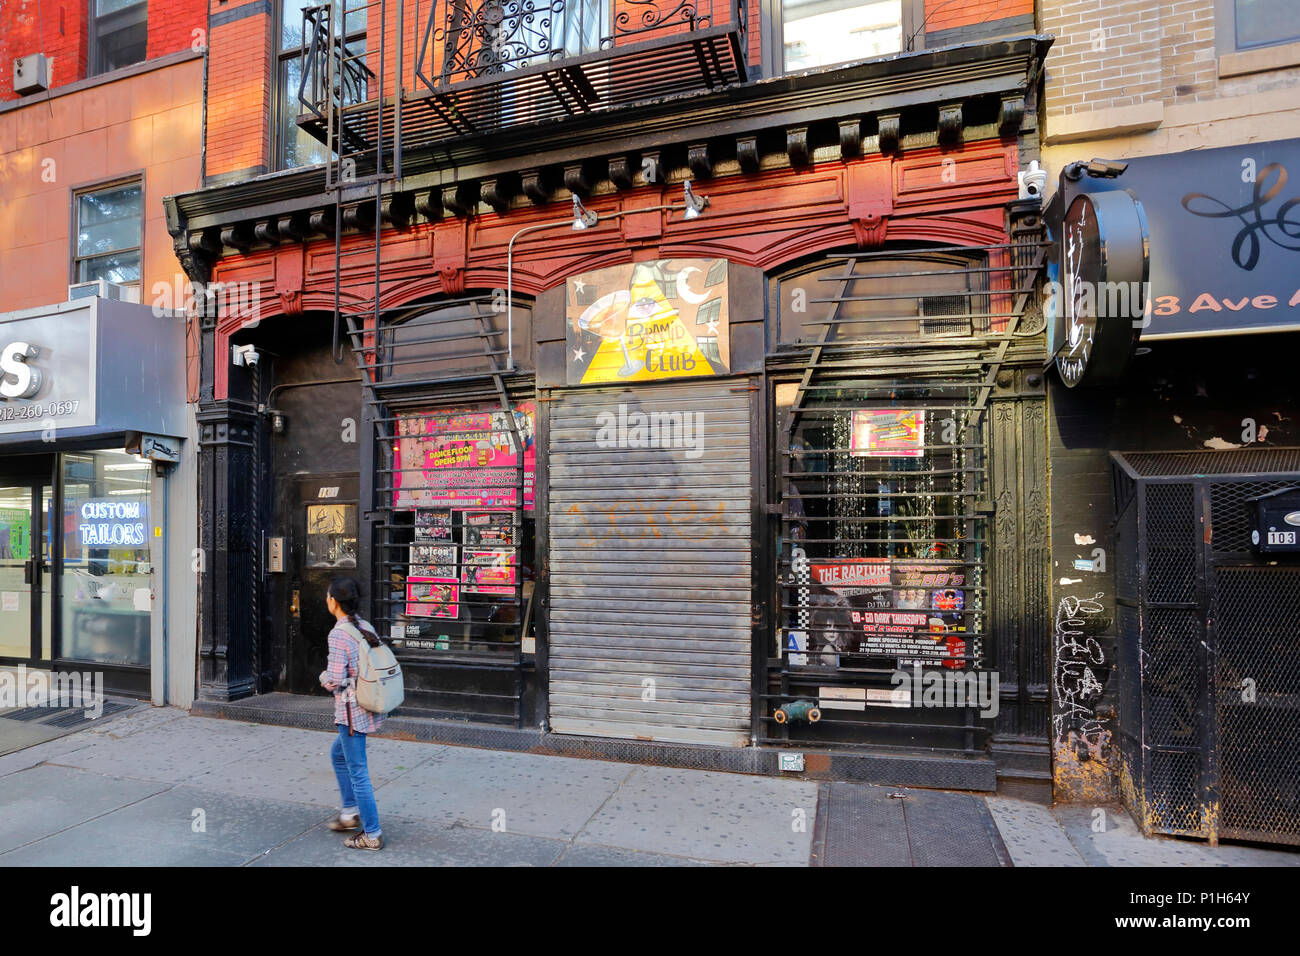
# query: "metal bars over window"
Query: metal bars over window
882,379
451,520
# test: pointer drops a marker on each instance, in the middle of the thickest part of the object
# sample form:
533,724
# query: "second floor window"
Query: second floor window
293,147
822,32
108,236
118,34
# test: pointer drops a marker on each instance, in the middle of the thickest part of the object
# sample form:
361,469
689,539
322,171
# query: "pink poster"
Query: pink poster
465,457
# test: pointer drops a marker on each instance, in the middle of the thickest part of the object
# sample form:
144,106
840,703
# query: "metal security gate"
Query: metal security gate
1209,663
650,588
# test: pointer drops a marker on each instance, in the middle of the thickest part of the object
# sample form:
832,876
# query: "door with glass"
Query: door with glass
24,569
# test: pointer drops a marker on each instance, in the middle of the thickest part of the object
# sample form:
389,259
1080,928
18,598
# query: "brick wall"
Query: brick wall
57,29
240,87
60,30
1118,53
947,14
176,25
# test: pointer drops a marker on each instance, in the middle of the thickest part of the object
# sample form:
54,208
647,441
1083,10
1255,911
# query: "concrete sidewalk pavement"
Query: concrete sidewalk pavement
160,787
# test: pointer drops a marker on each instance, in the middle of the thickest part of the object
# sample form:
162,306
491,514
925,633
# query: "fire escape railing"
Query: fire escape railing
486,65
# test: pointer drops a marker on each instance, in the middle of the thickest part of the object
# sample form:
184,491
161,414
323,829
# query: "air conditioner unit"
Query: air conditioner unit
103,289
31,74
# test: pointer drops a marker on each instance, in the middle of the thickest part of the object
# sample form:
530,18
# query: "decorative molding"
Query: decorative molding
264,231
851,138
497,193
322,221
949,124
1012,114
747,153
428,205
697,158
459,199
889,132
575,180
397,209
535,186
238,236
289,228
620,172
796,145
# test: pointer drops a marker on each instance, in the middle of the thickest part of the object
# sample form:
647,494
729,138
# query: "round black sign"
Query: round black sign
1102,298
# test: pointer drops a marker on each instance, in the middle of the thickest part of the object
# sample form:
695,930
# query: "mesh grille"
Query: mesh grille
1172,693
1175,791
1259,740
1232,512
1244,462
1171,551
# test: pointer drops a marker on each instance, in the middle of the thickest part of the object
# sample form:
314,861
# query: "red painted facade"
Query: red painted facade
765,220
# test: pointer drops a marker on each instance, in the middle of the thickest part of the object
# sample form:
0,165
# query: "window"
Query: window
109,223
118,34
107,578
1246,24
293,147
822,32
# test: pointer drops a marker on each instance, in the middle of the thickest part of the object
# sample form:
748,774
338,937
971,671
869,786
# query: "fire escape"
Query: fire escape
383,80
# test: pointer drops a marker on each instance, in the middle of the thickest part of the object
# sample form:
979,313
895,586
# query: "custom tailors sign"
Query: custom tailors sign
1225,237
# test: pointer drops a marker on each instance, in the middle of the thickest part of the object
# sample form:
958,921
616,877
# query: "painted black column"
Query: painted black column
229,537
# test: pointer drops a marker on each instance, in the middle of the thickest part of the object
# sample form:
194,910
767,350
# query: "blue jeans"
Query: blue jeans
349,756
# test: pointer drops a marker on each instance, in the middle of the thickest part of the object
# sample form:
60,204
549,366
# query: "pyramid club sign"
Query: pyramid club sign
646,321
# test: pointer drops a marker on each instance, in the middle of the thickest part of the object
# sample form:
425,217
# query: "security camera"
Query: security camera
1097,169
244,355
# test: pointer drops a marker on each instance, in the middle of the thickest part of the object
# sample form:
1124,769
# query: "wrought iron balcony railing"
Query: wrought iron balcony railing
484,65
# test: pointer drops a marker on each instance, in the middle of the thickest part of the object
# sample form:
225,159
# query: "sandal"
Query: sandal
340,823
359,841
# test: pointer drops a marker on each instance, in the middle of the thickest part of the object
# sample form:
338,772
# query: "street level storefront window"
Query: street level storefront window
109,228
293,147
881,459
462,528
118,34
824,32
107,580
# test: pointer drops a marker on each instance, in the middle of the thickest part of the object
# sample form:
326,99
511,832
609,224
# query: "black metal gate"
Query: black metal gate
884,491
1209,661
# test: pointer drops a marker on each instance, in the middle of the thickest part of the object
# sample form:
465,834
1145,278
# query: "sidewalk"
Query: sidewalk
159,787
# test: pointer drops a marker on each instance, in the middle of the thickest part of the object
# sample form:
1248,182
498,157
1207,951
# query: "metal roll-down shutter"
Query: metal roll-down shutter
650,549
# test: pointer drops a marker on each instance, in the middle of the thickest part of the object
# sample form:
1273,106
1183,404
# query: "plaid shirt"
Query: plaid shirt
343,663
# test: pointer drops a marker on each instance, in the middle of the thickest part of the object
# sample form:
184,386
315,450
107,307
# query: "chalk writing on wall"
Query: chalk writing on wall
1075,684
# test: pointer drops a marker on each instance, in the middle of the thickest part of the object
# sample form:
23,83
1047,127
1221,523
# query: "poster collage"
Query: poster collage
909,611
457,471
459,551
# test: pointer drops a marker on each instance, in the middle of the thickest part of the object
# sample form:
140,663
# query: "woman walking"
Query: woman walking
353,721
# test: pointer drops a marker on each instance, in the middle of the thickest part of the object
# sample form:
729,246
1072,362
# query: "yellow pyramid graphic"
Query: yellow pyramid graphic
629,358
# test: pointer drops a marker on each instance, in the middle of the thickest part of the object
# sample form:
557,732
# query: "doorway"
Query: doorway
323,517
26,503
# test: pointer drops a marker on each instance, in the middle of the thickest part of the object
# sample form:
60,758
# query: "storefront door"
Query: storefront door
24,568
323,513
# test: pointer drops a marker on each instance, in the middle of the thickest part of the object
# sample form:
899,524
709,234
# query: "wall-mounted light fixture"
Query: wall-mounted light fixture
694,204
582,216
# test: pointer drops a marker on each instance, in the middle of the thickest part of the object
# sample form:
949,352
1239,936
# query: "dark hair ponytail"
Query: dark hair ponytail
347,594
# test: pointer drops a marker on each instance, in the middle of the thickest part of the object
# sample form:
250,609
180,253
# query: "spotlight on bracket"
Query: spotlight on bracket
694,204
582,216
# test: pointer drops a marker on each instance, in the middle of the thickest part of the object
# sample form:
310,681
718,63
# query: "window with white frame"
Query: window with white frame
109,231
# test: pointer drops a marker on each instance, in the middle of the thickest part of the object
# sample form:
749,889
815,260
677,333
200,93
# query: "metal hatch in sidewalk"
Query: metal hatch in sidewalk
650,589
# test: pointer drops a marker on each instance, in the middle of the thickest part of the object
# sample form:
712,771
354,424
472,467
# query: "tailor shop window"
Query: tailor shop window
880,461
457,548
